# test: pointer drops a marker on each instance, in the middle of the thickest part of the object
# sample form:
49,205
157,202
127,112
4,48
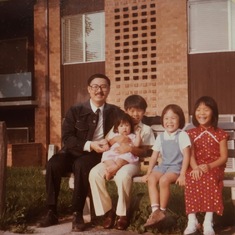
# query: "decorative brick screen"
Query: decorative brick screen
132,66
146,52
135,42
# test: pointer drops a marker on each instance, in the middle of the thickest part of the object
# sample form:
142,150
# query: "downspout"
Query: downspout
47,84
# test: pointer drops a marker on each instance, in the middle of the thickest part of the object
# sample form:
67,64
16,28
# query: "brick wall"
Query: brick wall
146,52
55,72
47,74
41,75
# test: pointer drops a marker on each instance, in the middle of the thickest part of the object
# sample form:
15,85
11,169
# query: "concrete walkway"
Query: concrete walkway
65,229
65,226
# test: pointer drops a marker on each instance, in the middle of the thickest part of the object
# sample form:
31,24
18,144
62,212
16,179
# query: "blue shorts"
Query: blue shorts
167,168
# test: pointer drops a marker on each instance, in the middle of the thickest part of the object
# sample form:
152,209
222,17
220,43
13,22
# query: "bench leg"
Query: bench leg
87,210
233,195
71,181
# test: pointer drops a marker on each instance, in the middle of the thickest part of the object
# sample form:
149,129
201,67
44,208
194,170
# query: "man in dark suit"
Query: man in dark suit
83,132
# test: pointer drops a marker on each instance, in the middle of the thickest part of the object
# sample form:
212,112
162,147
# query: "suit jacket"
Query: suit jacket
79,126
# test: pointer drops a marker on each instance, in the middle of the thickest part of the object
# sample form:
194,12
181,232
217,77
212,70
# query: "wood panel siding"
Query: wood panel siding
74,82
74,76
213,74
72,7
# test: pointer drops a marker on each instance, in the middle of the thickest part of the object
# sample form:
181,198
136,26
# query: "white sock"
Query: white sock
192,218
208,218
155,207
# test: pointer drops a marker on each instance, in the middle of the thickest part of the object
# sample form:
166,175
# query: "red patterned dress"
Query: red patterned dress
205,195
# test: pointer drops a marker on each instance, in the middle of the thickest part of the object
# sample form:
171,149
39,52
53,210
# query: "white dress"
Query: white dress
112,155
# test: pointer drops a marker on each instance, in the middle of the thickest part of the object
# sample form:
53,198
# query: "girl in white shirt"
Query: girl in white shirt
174,147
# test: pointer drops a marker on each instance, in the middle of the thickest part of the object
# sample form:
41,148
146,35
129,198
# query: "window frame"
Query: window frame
84,51
230,28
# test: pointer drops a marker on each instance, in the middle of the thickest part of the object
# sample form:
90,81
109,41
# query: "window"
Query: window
83,38
211,25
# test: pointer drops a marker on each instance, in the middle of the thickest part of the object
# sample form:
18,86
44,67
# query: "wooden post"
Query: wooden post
3,164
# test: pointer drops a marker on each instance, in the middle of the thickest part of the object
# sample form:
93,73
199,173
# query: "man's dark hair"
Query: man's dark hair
135,101
98,75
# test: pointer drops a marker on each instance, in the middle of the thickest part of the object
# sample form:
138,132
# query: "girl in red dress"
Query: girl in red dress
204,179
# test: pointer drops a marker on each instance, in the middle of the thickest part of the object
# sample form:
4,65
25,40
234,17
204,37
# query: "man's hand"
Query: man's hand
100,146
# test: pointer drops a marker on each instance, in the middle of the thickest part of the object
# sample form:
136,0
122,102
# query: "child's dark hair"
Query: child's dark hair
177,110
97,75
124,118
211,103
135,101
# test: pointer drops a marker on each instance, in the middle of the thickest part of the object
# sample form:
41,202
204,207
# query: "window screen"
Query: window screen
83,38
211,25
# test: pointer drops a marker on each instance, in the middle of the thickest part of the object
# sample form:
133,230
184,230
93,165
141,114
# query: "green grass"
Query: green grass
25,198
25,203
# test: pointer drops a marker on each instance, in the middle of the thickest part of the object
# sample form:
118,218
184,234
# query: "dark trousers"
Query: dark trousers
62,163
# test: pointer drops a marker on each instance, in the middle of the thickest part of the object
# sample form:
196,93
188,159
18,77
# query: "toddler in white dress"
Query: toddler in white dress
112,158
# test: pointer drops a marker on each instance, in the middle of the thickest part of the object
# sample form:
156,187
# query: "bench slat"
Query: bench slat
229,183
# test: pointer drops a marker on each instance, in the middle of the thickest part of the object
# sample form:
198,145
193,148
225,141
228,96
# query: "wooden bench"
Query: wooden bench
227,123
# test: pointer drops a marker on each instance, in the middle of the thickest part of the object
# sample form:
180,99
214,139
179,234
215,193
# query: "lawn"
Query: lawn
25,203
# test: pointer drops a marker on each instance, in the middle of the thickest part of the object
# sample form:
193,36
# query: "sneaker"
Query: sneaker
208,229
192,227
78,224
50,219
155,217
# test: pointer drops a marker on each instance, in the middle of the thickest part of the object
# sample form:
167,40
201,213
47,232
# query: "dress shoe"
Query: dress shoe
122,222
49,220
109,219
78,224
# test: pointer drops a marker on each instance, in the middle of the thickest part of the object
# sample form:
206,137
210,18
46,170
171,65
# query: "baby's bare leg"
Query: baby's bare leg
111,170
109,164
121,162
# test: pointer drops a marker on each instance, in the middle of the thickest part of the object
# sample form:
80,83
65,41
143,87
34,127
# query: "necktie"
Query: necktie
98,122
97,113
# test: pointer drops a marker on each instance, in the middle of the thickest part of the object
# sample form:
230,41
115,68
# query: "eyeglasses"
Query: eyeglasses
103,87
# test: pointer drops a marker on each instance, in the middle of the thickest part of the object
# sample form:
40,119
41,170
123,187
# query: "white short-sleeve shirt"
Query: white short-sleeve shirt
184,140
